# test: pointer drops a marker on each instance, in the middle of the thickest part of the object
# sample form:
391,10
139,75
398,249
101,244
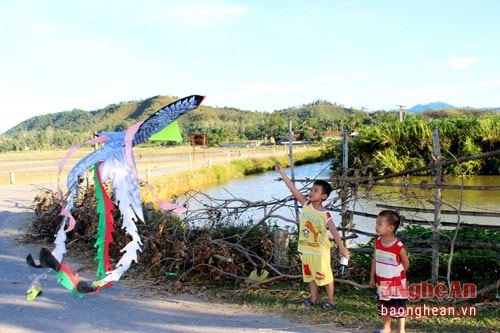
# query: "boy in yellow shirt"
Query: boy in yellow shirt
314,243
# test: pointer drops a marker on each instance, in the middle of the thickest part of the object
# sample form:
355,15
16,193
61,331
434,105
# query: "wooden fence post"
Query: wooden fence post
438,169
292,171
345,188
149,211
281,240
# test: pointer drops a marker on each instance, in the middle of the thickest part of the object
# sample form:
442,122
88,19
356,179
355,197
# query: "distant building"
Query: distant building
354,133
332,135
337,135
283,139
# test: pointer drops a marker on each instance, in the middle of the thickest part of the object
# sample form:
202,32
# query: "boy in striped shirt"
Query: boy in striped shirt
388,273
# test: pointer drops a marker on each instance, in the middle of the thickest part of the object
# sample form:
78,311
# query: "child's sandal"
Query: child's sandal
308,303
328,306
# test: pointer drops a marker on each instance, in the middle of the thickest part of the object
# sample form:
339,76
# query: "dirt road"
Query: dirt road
119,309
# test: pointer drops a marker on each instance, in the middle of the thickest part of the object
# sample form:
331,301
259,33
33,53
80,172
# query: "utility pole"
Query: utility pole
401,112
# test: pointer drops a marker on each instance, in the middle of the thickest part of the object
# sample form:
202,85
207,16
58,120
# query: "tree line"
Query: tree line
221,124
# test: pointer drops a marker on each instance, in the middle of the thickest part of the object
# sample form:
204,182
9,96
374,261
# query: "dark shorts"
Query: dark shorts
396,308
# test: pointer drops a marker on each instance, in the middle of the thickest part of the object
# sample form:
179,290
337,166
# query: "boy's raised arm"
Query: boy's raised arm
288,182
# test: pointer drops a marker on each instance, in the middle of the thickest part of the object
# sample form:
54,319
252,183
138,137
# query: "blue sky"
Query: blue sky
253,55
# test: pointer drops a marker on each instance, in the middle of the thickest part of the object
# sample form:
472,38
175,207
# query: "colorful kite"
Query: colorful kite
113,162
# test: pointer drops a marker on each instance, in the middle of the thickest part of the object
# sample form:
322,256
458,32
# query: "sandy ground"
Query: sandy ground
118,309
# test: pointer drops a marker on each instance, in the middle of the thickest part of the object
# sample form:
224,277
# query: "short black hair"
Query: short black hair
392,218
327,188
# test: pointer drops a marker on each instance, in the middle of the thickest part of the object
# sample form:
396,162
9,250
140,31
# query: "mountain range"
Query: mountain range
419,108
117,117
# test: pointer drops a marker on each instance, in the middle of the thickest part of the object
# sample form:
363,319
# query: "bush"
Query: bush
478,266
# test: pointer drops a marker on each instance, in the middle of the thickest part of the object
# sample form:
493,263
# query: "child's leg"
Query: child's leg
386,323
313,288
330,292
384,313
401,325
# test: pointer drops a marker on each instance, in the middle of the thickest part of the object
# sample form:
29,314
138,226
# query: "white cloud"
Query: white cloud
486,84
437,65
254,87
196,14
453,63
461,62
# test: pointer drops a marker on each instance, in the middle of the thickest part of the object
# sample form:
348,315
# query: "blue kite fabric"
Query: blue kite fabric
113,163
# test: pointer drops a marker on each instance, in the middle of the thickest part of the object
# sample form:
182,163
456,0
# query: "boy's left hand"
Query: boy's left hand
344,252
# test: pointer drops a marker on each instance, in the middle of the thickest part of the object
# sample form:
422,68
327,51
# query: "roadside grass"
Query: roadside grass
356,309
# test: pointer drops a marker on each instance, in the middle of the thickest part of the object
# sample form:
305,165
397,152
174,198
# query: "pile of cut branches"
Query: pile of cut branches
218,242
174,248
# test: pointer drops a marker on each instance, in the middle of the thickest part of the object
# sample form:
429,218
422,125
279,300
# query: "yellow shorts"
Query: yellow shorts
317,268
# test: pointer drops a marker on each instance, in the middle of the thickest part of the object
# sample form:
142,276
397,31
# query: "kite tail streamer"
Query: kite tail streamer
106,225
68,280
166,205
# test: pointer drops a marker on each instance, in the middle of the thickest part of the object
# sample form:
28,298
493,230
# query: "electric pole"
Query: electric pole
401,112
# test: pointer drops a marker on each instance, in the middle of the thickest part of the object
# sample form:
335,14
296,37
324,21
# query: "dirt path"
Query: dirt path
118,309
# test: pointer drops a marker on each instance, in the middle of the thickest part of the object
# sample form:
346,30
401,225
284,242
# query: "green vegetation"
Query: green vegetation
357,310
222,125
393,146
191,257
480,266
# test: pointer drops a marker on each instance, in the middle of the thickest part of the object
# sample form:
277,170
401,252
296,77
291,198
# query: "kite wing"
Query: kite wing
163,117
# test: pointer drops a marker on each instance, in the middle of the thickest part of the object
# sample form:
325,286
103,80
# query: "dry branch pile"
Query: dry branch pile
215,243
207,246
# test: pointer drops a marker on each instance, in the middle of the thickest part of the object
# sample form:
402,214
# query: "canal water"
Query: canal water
266,187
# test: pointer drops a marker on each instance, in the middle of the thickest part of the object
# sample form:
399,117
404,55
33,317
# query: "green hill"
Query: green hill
118,117
222,125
